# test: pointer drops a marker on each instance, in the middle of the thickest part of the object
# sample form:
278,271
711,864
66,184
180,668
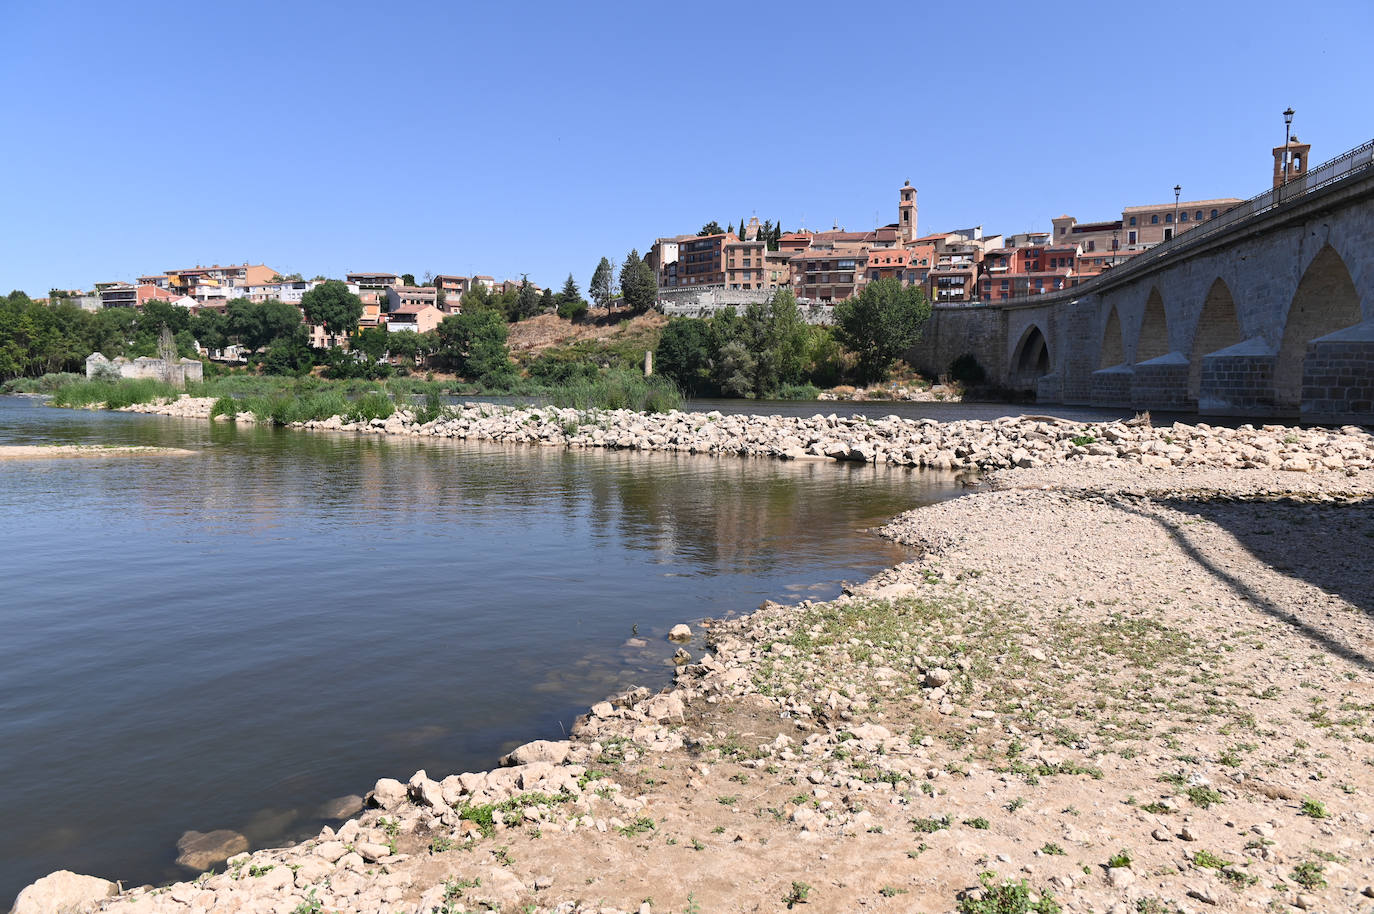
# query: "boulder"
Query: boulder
63,892
541,750
340,808
388,793
202,850
680,632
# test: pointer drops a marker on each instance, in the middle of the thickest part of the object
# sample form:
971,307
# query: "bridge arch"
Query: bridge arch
1113,348
1031,358
1325,301
1153,340
1218,326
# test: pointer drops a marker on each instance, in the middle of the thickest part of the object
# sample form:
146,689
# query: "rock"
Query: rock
372,852
340,808
201,850
680,656
679,632
1306,902
602,709
542,882
388,793
938,677
541,750
1367,891
1160,834
1203,893
63,892
1187,834
330,851
1120,876
426,791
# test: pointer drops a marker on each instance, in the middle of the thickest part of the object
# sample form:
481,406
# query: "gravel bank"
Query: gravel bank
1131,690
1022,442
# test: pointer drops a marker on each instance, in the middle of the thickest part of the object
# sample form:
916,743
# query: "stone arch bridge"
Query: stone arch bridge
1265,311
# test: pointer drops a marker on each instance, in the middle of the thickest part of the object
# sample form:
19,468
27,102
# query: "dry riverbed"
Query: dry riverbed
1102,686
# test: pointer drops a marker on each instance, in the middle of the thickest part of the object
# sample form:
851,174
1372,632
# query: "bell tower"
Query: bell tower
906,213
1290,162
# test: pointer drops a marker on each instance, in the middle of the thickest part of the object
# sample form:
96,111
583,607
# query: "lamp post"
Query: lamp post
1115,247
1178,189
1287,133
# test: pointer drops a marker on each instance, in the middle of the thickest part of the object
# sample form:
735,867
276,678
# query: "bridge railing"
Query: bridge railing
1329,172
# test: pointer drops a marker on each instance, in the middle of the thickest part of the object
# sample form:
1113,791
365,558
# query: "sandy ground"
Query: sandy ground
1096,689
51,451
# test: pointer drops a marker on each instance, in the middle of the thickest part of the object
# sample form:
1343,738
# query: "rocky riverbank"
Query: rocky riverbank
1099,688
1022,441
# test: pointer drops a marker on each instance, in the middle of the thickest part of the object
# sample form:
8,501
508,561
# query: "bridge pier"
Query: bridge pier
1238,380
1162,383
1112,386
1338,376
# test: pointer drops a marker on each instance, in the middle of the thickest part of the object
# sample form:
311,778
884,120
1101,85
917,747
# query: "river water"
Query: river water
230,639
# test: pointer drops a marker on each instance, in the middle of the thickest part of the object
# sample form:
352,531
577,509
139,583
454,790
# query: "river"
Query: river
230,639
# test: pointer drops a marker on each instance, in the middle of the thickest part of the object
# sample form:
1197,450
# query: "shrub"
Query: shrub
798,392
620,390
371,405
225,406
113,394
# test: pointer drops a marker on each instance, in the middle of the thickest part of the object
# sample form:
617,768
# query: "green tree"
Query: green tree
570,291
210,328
711,228
684,354
473,345
332,306
600,286
407,279
476,298
404,346
289,353
527,302
371,342
637,283
880,324
741,229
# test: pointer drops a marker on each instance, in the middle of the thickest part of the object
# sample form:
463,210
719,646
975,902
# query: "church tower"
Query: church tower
906,220
1294,155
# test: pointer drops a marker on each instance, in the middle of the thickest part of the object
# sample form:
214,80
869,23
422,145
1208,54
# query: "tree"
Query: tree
730,228
637,283
741,229
570,291
407,279
527,303
473,344
684,354
404,345
880,324
600,286
289,353
331,304
372,342
711,228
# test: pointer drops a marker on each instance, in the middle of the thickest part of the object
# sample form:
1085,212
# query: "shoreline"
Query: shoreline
854,734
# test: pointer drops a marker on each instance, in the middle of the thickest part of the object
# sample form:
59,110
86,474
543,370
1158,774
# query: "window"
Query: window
1133,220
1214,214
1130,237
1168,233
1154,220
1198,217
1169,218
1182,217
1092,245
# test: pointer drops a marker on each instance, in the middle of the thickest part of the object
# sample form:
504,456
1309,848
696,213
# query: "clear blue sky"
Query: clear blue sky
509,138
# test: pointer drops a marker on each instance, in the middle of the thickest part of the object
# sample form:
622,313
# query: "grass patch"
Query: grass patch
619,390
112,394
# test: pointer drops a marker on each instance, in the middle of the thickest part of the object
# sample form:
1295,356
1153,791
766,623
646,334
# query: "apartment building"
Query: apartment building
215,282
744,265
701,260
117,294
414,317
398,297
372,280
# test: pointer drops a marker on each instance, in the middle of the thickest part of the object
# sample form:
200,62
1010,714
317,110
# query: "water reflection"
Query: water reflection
230,639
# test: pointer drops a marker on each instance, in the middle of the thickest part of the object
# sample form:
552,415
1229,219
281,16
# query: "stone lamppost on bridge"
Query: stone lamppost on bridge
1178,189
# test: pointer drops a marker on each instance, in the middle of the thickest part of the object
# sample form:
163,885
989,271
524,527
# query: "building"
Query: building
1290,162
290,291
403,296
452,287
117,294
744,264
214,282
1146,226
372,280
663,259
701,261
419,318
